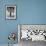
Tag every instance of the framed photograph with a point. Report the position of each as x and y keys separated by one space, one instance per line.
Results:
x=33 y=32
x=10 y=12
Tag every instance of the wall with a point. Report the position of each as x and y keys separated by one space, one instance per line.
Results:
x=28 y=12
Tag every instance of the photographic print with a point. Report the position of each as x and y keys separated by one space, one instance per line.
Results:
x=33 y=32
x=10 y=11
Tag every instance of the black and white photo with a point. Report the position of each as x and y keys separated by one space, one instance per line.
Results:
x=10 y=11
